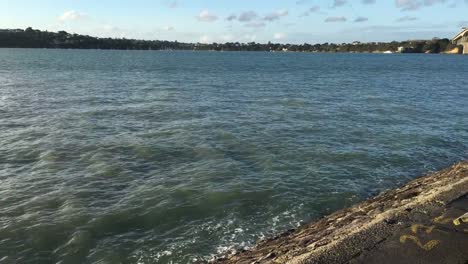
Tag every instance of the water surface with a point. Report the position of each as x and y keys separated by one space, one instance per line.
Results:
x=168 y=157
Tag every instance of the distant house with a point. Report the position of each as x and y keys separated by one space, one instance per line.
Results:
x=462 y=39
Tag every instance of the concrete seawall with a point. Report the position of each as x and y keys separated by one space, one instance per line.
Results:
x=416 y=223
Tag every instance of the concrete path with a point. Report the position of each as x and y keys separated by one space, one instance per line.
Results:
x=433 y=239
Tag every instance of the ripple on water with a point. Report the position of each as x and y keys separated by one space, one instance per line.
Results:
x=154 y=157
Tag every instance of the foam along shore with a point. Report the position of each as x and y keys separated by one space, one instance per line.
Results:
x=421 y=222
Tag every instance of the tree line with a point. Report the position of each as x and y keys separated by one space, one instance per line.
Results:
x=33 y=38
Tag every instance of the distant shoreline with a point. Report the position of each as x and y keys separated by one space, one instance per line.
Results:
x=221 y=51
x=31 y=38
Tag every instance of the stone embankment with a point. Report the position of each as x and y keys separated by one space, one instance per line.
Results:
x=421 y=222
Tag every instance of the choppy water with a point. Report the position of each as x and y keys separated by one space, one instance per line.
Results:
x=167 y=157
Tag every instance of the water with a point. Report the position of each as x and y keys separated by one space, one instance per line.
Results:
x=168 y=157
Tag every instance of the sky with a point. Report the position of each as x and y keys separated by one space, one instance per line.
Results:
x=207 y=21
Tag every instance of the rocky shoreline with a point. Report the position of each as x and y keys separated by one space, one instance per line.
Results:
x=376 y=228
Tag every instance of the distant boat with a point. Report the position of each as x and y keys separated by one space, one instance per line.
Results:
x=388 y=52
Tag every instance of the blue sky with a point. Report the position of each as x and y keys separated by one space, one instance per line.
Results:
x=293 y=21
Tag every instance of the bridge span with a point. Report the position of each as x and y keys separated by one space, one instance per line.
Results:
x=462 y=39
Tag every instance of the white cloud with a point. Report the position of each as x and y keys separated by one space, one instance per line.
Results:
x=227 y=37
x=249 y=37
x=108 y=30
x=205 y=39
x=206 y=16
x=279 y=36
x=168 y=28
x=71 y=15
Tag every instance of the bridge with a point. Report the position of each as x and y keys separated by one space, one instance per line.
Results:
x=462 y=39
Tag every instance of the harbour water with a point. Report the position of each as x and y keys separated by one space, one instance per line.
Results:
x=172 y=157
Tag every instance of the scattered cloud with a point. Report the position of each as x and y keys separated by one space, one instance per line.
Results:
x=411 y=5
x=397 y=31
x=71 y=15
x=247 y=16
x=431 y=2
x=231 y=17
x=206 y=16
x=314 y=9
x=406 y=5
x=338 y=3
x=255 y=24
x=360 y=19
x=276 y=15
x=406 y=18
x=253 y=19
x=236 y=24
x=335 y=19
x=172 y=4
x=289 y=24
x=463 y=23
